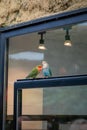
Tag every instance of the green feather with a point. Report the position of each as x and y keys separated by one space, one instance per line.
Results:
x=33 y=73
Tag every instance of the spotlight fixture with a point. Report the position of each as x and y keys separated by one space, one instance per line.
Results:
x=41 y=41
x=67 y=38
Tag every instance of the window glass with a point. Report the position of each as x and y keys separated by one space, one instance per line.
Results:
x=24 y=55
x=53 y=107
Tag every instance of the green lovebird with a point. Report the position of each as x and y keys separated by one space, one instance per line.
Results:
x=34 y=72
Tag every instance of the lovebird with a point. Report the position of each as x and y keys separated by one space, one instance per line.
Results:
x=34 y=72
x=46 y=69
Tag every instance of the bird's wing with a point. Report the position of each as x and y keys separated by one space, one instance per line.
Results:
x=33 y=73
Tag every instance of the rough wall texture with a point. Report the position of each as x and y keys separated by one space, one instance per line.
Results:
x=17 y=11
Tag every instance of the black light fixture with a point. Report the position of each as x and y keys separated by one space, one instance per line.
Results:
x=41 y=41
x=67 y=38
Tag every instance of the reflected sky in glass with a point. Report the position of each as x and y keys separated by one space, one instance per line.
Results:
x=27 y=56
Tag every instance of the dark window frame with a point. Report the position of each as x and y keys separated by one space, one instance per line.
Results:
x=19 y=85
x=40 y=24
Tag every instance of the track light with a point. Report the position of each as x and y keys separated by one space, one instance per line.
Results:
x=41 y=41
x=67 y=39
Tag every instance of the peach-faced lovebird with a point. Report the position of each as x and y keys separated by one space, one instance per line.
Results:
x=46 y=69
x=34 y=72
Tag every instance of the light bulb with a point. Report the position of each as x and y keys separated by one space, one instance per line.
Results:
x=67 y=43
x=42 y=47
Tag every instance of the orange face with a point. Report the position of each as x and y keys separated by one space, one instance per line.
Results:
x=39 y=67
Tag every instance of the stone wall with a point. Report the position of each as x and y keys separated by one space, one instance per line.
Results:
x=17 y=11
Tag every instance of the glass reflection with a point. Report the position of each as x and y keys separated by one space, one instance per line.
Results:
x=25 y=55
x=60 y=107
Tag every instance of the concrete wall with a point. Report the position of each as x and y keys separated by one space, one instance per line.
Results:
x=17 y=11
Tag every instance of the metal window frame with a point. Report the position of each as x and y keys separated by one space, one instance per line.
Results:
x=40 y=24
x=71 y=81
